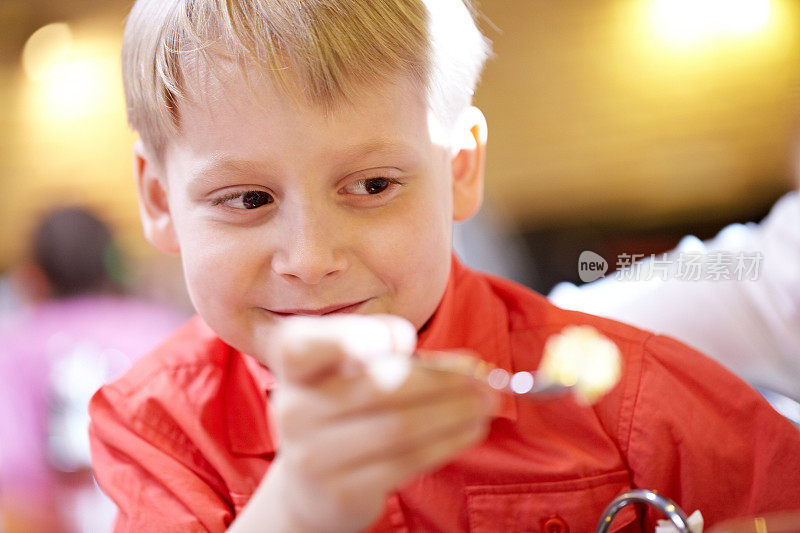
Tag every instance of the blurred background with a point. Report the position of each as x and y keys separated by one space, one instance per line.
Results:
x=65 y=140
x=614 y=125
x=625 y=124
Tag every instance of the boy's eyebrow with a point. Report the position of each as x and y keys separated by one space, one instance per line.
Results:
x=394 y=147
x=222 y=164
x=217 y=164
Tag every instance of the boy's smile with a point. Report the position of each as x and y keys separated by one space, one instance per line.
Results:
x=331 y=309
x=277 y=209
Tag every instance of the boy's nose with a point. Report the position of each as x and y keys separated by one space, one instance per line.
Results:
x=308 y=253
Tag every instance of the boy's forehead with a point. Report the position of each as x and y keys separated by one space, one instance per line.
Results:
x=212 y=79
x=224 y=98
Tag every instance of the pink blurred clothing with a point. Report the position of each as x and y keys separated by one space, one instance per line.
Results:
x=52 y=358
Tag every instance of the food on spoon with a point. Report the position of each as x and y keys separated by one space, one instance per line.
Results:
x=582 y=358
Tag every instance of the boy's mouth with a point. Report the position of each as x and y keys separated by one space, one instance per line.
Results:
x=329 y=310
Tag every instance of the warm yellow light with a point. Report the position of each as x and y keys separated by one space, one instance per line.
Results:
x=692 y=21
x=71 y=78
x=46 y=51
x=75 y=90
x=746 y=16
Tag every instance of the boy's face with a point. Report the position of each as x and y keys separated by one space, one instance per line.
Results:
x=277 y=209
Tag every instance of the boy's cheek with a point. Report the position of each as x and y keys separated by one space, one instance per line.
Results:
x=210 y=278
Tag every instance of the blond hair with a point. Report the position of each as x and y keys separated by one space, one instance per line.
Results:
x=321 y=51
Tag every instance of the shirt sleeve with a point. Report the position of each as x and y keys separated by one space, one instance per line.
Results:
x=704 y=438
x=150 y=467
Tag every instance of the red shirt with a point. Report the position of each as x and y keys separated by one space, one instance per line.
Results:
x=182 y=440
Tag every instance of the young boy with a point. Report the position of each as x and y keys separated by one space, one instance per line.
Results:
x=308 y=158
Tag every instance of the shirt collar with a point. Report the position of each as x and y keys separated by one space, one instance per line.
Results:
x=249 y=386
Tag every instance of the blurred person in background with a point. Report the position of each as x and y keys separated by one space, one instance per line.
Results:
x=749 y=323
x=77 y=330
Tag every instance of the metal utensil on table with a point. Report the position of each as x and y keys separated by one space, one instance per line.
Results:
x=663 y=504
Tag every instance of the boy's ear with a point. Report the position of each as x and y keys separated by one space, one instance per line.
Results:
x=153 y=205
x=468 y=163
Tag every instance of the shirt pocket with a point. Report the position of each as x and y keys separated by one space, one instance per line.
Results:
x=549 y=507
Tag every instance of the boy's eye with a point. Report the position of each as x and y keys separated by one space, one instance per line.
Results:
x=253 y=199
x=246 y=200
x=370 y=186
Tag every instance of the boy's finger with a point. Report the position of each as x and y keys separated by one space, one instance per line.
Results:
x=383 y=434
x=309 y=348
x=301 y=411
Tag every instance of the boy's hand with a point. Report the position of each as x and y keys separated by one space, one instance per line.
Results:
x=345 y=441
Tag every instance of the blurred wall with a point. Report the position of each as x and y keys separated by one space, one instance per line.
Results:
x=639 y=111
x=65 y=138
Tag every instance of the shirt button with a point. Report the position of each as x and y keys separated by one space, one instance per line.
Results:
x=555 y=524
